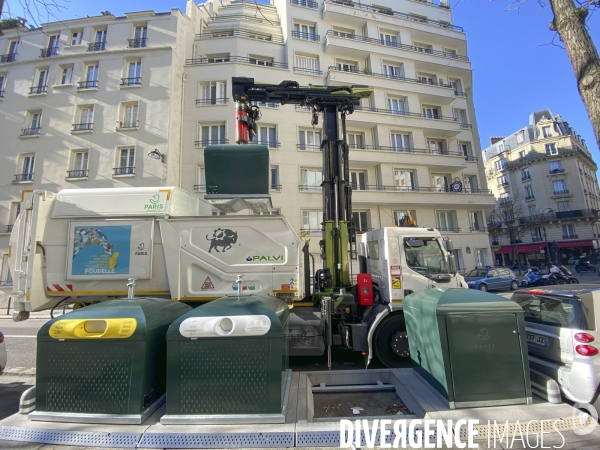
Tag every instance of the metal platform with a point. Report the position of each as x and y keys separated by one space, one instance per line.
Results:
x=300 y=428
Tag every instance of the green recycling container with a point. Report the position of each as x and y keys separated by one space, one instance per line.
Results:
x=105 y=363
x=470 y=347
x=227 y=362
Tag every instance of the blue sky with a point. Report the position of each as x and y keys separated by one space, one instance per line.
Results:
x=516 y=70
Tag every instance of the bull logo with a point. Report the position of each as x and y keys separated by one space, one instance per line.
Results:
x=224 y=238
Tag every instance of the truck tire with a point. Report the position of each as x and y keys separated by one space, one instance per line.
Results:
x=391 y=343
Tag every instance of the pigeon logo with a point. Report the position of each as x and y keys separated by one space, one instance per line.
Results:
x=249 y=258
x=483 y=334
x=154 y=204
x=155 y=199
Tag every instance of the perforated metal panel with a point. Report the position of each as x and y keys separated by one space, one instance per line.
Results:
x=89 y=377
x=217 y=440
x=84 y=438
x=225 y=376
x=332 y=438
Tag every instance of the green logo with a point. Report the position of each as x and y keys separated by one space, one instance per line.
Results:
x=155 y=199
x=272 y=258
x=154 y=204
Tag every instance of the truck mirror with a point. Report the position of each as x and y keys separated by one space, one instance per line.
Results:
x=449 y=245
x=452 y=265
x=414 y=243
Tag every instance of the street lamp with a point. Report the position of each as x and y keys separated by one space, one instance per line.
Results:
x=548 y=259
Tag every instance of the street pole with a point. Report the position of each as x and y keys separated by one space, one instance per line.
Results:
x=548 y=256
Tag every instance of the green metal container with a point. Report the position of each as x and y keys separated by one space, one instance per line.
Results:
x=104 y=363
x=227 y=362
x=469 y=346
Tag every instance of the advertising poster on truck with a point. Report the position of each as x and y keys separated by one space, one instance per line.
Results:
x=110 y=250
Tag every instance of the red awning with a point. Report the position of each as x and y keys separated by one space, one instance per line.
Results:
x=571 y=244
x=522 y=248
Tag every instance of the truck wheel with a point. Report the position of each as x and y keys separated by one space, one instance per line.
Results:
x=391 y=342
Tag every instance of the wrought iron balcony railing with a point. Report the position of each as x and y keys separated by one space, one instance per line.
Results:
x=20 y=177
x=570 y=236
x=125 y=170
x=308 y=71
x=90 y=84
x=135 y=81
x=561 y=192
x=133 y=124
x=30 y=131
x=212 y=101
x=79 y=173
x=83 y=127
x=238 y=32
x=377 y=187
x=38 y=89
x=306 y=36
x=48 y=52
x=96 y=46
x=305 y=3
x=205 y=142
x=449 y=230
x=10 y=57
x=478 y=228
x=553 y=171
x=199 y=187
x=237 y=59
x=137 y=43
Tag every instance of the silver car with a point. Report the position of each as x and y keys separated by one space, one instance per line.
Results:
x=563 y=337
x=2 y=353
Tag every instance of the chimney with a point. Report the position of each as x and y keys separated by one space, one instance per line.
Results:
x=494 y=139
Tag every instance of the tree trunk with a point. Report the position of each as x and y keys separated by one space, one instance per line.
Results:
x=569 y=21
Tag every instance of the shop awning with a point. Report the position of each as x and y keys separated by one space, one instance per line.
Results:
x=571 y=244
x=522 y=248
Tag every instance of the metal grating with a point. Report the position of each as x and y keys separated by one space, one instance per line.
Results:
x=217 y=440
x=89 y=377
x=83 y=438
x=332 y=438
x=225 y=376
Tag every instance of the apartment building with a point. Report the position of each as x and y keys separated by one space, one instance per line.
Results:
x=83 y=102
x=545 y=176
x=413 y=145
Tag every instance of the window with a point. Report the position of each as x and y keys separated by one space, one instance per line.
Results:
x=99 y=41
x=129 y=115
x=275 y=186
x=40 y=84
x=528 y=193
x=569 y=231
x=466 y=150
x=393 y=70
x=481 y=257
x=457 y=86
x=52 y=48
x=76 y=37
x=502 y=181
x=2 y=83
x=12 y=52
x=213 y=93
x=546 y=132
x=201 y=173
x=501 y=147
x=435 y=146
x=520 y=137
x=307 y=64
x=65 y=74
x=343 y=32
x=347 y=66
x=26 y=165
x=555 y=167
x=424 y=48
x=260 y=60
x=222 y=57
x=267 y=135
x=212 y=134
x=133 y=74
x=427 y=78
x=536 y=235
x=85 y=116
x=311 y=221
x=446 y=221
x=522 y=154
x=33 y=122
x=397 y=105
x=431 y=112
x=476 y=221
x=551 y=149
x=6 y=279
x=460 y=265
x=556 y=312
x=471 y=184
x=311 y=179
x=563 y=206
x=79 y=164
x=405 y=179
x=401 y=218
x=559 y=187
x=140 y=34
x=361 y=220
x=387 y=38
x=305 y=31
x=525 y=174
x=358 y=178
x=91 y=77
x=532 y=210
x=460 y=115
x=355 y=140
x=309 y=139
x=500 y=164
x=440 y=182
x=125 y=162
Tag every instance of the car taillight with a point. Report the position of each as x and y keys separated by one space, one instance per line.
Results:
x=586 y=350
x=1 y=338
x=584 y=337
x=535 y=292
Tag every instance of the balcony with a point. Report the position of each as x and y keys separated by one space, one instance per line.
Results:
x=305 y=3
x=82 y=127
x=10 y=57
x=309 y=188
x=136 y=43
x=48 y=52
x=306 y=36
x=380 y=188
x=125 y=170
x=332 y=36
x=80 y=173
x=471 y=158
x=449 y=230
x=555 y=171
x=562 y=151
x=570 y=236
x=205 y=142
x=269 y=144
x=96 y=46
x=90 y=84
x=302 y=70
x=562 y=192
x=526 y=177
x=276 y=187
x=309 y=147
x=34 y=90
x=128 y=125
x=478 y=229
x=311 y=230
x=328 y=9
x=238 y=32
x=35 y=131
x=236 y=59
x=212 y=101
x=135 y=81
x=529 y=197
x=23 y=177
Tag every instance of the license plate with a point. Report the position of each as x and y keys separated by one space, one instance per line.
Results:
x=538 y=340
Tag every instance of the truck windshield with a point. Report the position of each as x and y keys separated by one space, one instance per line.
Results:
x=427 y=259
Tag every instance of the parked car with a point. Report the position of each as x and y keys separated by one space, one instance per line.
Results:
x=562 y=341
x=492 y=279
x=2 y=353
